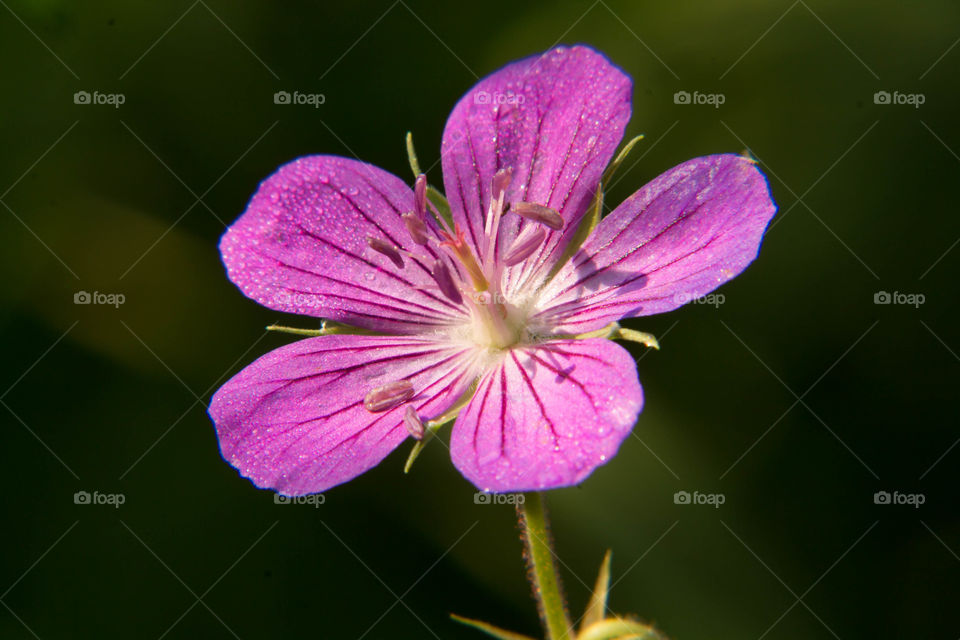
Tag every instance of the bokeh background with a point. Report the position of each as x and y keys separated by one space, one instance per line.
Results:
x=797 y=399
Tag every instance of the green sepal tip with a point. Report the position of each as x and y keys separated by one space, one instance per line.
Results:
x=619 y=629
x=592 y=217
x=327 y=328
x=597 y=606
x=412 y=156
x=489 y=629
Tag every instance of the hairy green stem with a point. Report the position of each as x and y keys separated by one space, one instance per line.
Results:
x=547 y=590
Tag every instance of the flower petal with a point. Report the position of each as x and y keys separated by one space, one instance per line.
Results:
x=294 y=420
x=555 y=119
x=675 y=240
x=547 y=416
x=301 y=247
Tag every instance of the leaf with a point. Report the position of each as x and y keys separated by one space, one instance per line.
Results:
x=598 y=599
x=613 y=166
x=489 y=629
x=439 y=201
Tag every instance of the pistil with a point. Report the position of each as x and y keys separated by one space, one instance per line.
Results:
x=493 y=319
x=458 y=247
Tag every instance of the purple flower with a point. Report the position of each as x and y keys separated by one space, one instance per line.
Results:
x=486 y=313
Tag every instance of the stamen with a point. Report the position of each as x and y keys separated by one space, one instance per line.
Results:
x=413 y=422
x=420 y=196
x=441 y=273
x=387 y=249
x=498 y=192
x=388 y=396
x=500 y=182
x=538 y=213
x=525 y=244
x=416 y=227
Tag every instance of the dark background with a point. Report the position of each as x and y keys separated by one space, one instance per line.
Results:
x=797 y=399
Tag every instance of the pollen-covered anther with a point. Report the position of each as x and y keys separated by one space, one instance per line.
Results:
x=416 y=227
x=524 y=245
x=413 y=423
x=388 y=396
x=538 y=213
x=382 y=246
x=420 y=196
x=444 y=279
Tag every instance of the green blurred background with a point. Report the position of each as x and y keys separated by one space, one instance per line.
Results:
x=797 y=399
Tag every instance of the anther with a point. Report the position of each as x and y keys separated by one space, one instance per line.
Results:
x=538 y=213
x=413 y=422
x=388 y=396
x=524 y=245
x=441 y=273
x=420 y=196
x=416 y=227
x=500 y=182
x=387 y=249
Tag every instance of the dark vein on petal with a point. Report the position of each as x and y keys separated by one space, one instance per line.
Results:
x=392 y=275
x=480 y=411
x=536 y=396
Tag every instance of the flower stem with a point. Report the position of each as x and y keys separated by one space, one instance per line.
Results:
x=547 y=590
